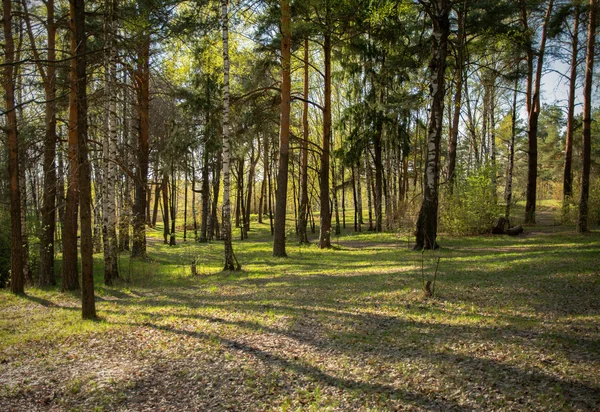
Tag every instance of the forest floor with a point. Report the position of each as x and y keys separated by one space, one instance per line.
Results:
x=514 y=325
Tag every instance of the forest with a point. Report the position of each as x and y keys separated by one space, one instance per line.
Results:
x=299 y=205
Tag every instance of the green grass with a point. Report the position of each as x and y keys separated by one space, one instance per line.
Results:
x=514 y=326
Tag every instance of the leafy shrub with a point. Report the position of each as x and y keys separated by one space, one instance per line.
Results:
x=473 y=206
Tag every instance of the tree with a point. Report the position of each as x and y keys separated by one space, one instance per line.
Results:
x=582 y=219
x=70 y=275
x=568 y=167
x=88 y=305
x=284 y=132
x=533 y=106
x=48 y=74
x=111 y=270
x=438 y=11
x=16 y=250
x=226 y=155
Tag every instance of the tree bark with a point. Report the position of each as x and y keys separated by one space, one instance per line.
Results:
x=88 y=305
x=111 y=270
x=172 y=240
x=325 y=232
x=205 y=197
x=303 y=220
x=568 y=172
x=226 y=229
x=142 y=84
x=427 y=222
x=70 y=275
x=582 y=220
x=165 y=201
x=534 y=113
x=511 y=155
x=458 y=79
x=284 y=133
x=16 y=251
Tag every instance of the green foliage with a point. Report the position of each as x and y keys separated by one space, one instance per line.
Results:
x=473 y=207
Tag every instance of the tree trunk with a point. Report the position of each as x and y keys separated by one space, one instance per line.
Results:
x=284 y=133
x=534 y=113
x=511 y=155
x=172 y=241
x=88 y=305
x=48 y=229
x=303 y=220
x=111 y=270
x=165 y=202
x=458 y=78
x=251 y=173
x=142 y=84
x=205 y=197
x=226 y=229
x=70 y=275
x=582 y=219
x=213 y=230
x=568 y=172
x=378 y=194
x=325 y=233
x=16 y=251
x=427 y=221
x=185 y=201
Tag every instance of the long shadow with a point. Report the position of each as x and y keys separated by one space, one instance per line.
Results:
x=316 y=374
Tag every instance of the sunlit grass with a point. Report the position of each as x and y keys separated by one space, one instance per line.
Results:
x=514 y=322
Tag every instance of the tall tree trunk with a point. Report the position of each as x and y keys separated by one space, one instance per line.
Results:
x=534 y=113
x=251 y=173
x=16 y=250
x=185 y=201
x=284 y=133
x=427 y=221
x=125 y=206
x=205 y=197
x=142 y=84
x=70 y=275
x=325 y=233
x=60 y=195
x=48 y=74
x=378 y=194
x=88 y=305
x=582 y=219
x=568 y=172
x=226 y=230
x=172 y=241
x=511 y=154
x=359 y=199
x=111 y=270
x=303 y=220
x=458 y=79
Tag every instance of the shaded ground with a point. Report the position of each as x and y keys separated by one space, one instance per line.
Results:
x=515 y=326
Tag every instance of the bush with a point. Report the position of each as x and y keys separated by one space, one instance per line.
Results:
x=473 y=207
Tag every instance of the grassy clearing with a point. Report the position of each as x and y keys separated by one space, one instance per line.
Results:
x=515 y=325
